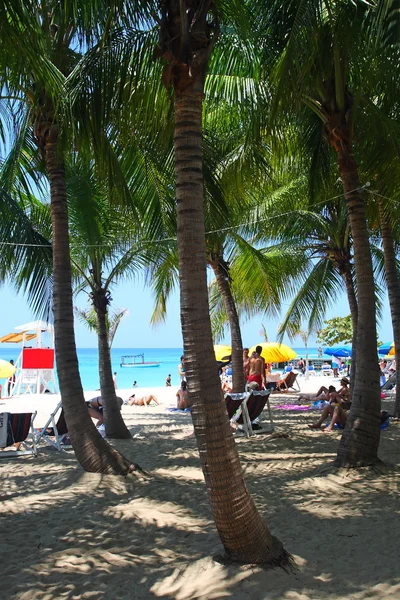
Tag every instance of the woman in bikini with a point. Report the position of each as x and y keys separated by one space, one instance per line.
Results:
x=143 y=401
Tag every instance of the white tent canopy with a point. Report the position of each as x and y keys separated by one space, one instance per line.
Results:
x=35 y=326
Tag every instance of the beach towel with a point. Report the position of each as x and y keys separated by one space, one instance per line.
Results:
x=181 y=410
x=294 y=407
x=3 y=429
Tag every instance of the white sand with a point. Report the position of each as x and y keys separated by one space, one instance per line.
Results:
x=69 y=534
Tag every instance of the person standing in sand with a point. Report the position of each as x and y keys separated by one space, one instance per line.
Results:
x=246 y=363
x=181 y=369
x=168 y=381
x=256 y=368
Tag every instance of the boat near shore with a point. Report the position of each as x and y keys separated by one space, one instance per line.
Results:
x=136 y=360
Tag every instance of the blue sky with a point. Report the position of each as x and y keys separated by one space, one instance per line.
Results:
x=135 y=330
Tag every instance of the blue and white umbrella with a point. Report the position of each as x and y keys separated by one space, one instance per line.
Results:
x=340 y=352
x=387 y=349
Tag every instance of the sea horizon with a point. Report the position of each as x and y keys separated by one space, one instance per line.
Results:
x=169 y=359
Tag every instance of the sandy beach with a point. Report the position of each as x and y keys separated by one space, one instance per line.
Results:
x=69 y=534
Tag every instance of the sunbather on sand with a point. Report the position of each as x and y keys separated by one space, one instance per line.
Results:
x=322 y=394
x=143 y=401
x=339 y=404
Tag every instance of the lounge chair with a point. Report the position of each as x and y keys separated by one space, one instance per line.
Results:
x=18 y=427
x=288 y=382
x=233 y=403
x=390 y=383
x=54 y=432
x=252 y=408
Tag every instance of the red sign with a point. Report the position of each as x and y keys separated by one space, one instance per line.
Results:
x=38 y=358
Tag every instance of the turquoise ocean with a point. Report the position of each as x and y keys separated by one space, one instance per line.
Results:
x=145 y=377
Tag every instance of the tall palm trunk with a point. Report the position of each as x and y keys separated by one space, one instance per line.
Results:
x=393 y=286
x=222 y=277
x=360 y=440
x=242 y=531
x=353 y=305
x=93 y=453
x=113 y=421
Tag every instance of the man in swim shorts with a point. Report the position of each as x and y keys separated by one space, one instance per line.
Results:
x=256 y=368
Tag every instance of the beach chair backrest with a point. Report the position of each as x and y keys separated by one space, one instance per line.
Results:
x=390 y=383
x=233 y=402
x=62 y=424
x=290 y=379
x=20 y=425
x=255 y=404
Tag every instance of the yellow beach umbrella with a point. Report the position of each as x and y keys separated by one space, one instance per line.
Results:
x=222 y=352
x=275 y=352
x=6 y=369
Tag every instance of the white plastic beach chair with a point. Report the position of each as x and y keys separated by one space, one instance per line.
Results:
x=55 y=432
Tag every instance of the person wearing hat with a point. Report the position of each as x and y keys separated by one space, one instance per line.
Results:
x=342 y=396
x=339 y=404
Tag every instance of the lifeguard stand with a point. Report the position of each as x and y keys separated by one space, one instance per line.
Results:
x=35 y=365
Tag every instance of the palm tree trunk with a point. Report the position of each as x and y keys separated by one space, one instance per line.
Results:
x=359 y=443
x=93 y=453
x=224 y=287
x=393 y=286
x=353 y=305
x=243 y=533
x=113 y=421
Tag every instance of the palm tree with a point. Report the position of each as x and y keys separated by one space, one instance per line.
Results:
x=105 y=249
x=393 y=284
x=113 y=320
x=188 y=33
x=329 y=72
x=37 y=57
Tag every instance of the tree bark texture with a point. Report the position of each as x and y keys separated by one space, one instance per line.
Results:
x=353 y=305
x=393 y=286
x=113 y=421
x=92 y=452
x=360 y=440
x=243 y=533
x=224 y=287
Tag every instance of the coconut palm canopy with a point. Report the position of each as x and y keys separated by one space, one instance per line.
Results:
x=274 y=351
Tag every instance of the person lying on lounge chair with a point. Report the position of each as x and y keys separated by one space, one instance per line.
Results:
x=143 y=401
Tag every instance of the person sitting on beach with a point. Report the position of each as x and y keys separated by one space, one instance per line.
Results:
x=343 y=395
x=338 y=409
x=226 y=388
x=182 y=396
x=257 y=368
x=143 y=401
x=95 y=408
